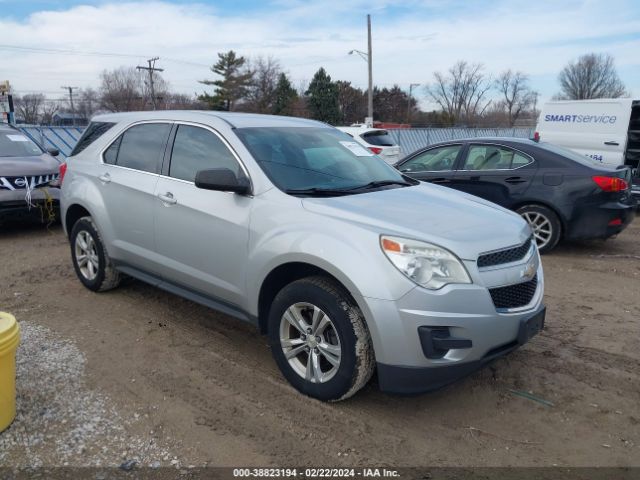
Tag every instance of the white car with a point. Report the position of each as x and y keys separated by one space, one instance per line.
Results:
x=376 y=140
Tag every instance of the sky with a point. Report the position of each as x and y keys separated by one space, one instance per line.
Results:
x=47 y=44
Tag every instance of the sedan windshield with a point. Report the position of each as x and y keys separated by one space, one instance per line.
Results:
x=15 y=144
x=317 y=160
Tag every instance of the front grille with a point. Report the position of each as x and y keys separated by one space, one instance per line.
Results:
x=30 y=181
x=504 y=256
x=514 y=296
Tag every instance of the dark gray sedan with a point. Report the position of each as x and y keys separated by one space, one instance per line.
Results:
x=26 y=173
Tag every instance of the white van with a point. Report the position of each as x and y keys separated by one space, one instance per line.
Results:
x=607 y=130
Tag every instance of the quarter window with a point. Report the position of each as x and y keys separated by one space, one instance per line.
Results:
x=494 y=157
x=434 y=160
x=140 y=147
x=196 y=149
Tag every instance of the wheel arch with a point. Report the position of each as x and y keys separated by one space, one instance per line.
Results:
x=524 y=203
x=74 y=213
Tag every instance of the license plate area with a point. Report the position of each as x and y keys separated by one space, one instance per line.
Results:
x=530 y=327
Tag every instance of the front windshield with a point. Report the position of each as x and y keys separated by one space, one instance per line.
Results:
x=303 y=158
x=15 y=144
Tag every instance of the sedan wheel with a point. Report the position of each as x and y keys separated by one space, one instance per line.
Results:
x=544 y=224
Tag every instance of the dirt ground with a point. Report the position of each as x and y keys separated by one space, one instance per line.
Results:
x=168 y=382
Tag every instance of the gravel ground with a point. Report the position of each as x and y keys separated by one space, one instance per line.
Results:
x=60 y=419
x=139 y=374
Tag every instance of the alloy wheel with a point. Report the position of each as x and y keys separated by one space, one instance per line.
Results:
x=310 y=342
x=541 y=226
x=86 y=255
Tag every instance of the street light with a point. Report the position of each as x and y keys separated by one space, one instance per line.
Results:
x=409 y=102
x=367 y=57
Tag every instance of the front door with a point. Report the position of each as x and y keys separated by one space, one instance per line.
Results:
x=201 y=235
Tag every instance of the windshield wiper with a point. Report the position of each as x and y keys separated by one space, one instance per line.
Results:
x=381 y=183
x=325 y=192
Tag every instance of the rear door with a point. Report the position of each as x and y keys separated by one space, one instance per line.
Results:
x=434 y=165
x=127 y=179
x=201 y=235
x=496 y=173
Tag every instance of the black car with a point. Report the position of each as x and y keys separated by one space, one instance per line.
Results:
x=562 y=194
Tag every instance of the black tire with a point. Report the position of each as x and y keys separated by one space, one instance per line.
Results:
x=357 y=362
x=530 y=212
x=106 y=276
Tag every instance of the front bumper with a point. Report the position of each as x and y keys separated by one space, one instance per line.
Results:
x=413 y=380
x=13 y=203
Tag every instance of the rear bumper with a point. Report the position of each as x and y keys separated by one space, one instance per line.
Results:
x=602 y=221
x=406 y=380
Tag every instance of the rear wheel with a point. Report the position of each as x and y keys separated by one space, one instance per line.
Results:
x=90 y=260
x=319 y=339
x=545 y=225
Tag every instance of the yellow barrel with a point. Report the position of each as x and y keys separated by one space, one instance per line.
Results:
x=9 y=339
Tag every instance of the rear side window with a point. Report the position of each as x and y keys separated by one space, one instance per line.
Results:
x=140 y=147
x=378 y=137
x=434 y=160
x=93 y=132
x=196 y=149
x=494 y=157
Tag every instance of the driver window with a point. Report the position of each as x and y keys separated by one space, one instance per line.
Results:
x=434 y=160
x=195 y=149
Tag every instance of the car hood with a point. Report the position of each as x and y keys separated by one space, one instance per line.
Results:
x=27 y=166
x=462 y=223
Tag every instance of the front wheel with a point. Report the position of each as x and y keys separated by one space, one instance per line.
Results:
x=545 y=225
x=319 y=339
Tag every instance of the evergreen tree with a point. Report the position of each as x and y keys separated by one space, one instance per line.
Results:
x=233 y=84
x=323 y=98
x=285 y=96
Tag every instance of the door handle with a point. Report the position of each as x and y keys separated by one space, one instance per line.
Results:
x=167 y=198
x=615 y=144
x=440 y=180
x=515 y=180
x=105 y=178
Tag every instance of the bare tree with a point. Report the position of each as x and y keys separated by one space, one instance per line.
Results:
x=260 y=94
x=462 y=92
x=49 y=109
x=28 y=107
x=592 y=76
x=121 y=90
x=516 y=94
x=87 y=103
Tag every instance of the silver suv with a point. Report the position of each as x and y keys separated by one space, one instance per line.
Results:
x=346 y=264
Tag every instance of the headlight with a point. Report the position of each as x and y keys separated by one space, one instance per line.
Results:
x=427 y=265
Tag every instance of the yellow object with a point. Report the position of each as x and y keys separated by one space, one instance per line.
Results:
x=9 y=340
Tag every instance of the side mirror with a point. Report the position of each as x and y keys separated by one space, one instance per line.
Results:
x=53 y=151
x=223 y=180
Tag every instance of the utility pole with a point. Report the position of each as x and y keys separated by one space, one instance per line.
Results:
x=73 y=110
x=370 y=62
x=411 y=85
x=150 y=69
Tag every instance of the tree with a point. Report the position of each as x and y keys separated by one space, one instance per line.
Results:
x=121 y=90
x=352 y=103
x=284 y=97
x=232 y=86
x=322 y=98
x=517 y=96
x=461 y=93
x=390 y=104
x=591 y=76
x=28 y=107
x=87 y=102
x=260 y=94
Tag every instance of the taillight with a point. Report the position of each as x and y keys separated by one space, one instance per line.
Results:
x=62 y=171
x=376 y=150
x=536 y=136
x=611 y=184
